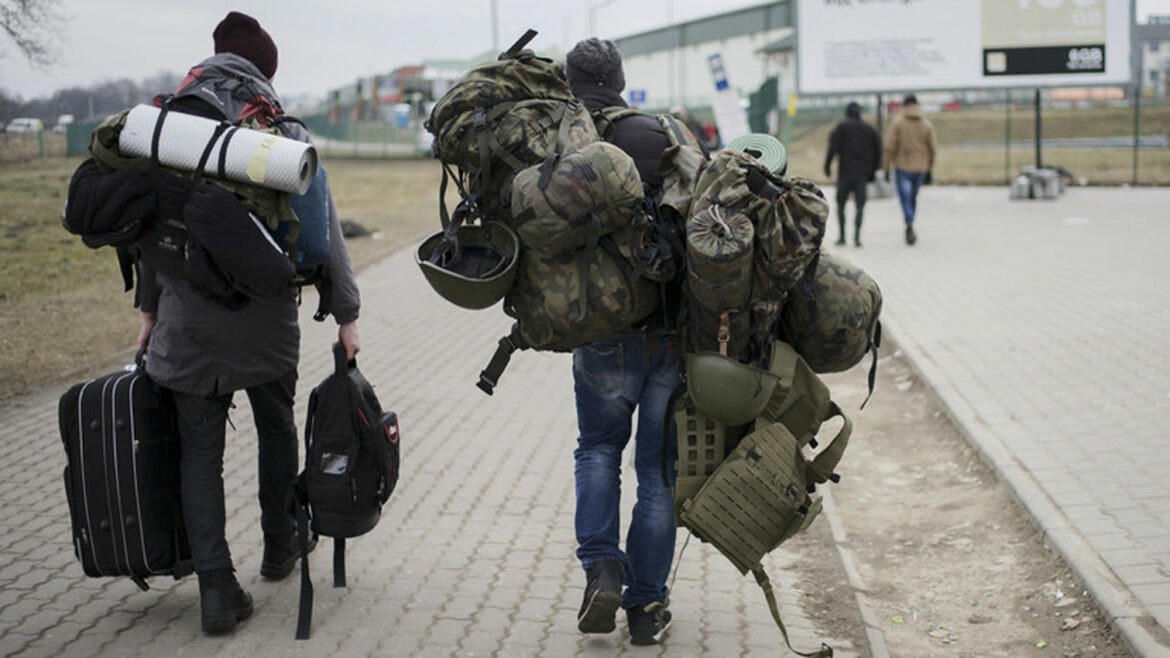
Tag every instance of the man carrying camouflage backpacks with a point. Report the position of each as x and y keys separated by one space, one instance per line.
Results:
x=637 y=369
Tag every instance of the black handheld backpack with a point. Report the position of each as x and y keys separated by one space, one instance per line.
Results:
x=351 y=467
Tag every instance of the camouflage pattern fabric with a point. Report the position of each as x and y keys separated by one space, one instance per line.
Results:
x=788 y=216
x=504 y=116
x=720 y=243
x=569 y=200
x=565 y=300
x=833 y=323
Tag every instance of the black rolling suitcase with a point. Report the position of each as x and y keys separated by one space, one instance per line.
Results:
x=122 y=477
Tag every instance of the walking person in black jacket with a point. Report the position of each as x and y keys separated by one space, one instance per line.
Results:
x=858 y=148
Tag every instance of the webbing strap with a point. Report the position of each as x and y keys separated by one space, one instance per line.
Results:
x=873 y=348
x=515 y=48
x=583 y=270
x=490 y=376
x=666 y=438
x=305 y=612
x=126 y=267
x=224 y=149
x=825 y=651
x=339 y=561
x=821 y=467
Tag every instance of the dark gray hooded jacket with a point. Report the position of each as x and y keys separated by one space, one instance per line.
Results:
x=201 y=348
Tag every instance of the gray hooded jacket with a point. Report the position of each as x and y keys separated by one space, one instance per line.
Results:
x=201 y=348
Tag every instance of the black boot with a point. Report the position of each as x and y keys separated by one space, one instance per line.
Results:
x=222 y=602
x=841 y=226
x=856 y=231
x=281 y=555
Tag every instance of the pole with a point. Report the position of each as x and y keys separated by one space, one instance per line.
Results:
x=1039 y=161
x=790 y=120
x=1137 y=115
x=1007 y=141
x=879 y=114
x=495 y=28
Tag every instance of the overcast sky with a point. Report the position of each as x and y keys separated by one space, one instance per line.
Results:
x=324 y=45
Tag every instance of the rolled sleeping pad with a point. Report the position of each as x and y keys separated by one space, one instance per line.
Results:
x=238 y=154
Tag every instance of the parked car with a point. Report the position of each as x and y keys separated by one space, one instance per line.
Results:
x=25 y=125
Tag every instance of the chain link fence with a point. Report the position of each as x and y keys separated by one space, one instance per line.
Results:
x=982 y=141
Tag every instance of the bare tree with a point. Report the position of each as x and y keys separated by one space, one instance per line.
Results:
x=35 y=26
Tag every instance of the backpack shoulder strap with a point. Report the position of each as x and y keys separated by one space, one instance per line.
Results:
x=762 y=580
x=605 y=117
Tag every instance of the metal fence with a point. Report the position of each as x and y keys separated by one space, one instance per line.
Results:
x=982 y=141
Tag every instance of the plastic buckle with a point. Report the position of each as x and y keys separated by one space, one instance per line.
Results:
x=485 y=383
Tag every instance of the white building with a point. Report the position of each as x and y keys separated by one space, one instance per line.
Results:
x=669 y=66
x=1154 y=42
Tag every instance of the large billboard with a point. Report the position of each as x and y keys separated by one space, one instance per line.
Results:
x=850 y=46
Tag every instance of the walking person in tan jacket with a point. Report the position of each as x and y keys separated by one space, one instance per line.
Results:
x=910 y=149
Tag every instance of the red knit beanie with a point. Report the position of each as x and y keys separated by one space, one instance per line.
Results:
x=241 y=34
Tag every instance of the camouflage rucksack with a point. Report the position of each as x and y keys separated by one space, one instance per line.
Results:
x=526 y=153
x=503 y=116
x=787 y=216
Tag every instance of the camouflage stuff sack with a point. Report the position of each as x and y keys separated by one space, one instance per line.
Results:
x=504 y=116
x=788 y=218
x=571 y=200
x=568 y=299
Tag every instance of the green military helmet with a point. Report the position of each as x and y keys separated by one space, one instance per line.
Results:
x=833 y=323
x=727 y=390
x=474 y=270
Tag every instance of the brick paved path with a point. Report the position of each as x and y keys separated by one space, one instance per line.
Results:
x=1042 y=326
x=473 y=557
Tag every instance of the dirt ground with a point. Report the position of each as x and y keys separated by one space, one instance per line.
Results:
x=948 y=563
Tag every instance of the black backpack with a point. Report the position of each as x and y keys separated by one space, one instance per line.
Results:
x=351 y=467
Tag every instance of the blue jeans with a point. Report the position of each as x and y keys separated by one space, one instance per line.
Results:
x=612 y=378
x=908 y=184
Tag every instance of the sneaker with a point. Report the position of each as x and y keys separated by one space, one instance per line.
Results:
x=222 y=602
x=911 y=238
x=648 y=623
x=281 y=555
x=603 y=596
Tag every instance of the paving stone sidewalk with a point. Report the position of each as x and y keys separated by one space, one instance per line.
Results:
x=1042 y=326
x=474 y=554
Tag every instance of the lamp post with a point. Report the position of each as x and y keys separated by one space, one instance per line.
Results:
x=593 y=15
x=495 y=28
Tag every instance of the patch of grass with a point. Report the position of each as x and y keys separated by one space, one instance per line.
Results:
x=971 y=150
x=61 y=303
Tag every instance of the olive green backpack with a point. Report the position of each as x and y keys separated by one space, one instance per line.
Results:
x=746 y=496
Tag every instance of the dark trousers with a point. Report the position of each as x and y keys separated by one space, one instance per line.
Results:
x=201 y=430
x=854 y=185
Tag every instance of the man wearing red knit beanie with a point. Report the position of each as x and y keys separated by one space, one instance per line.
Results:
x=204 y=353
x=241 y=34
